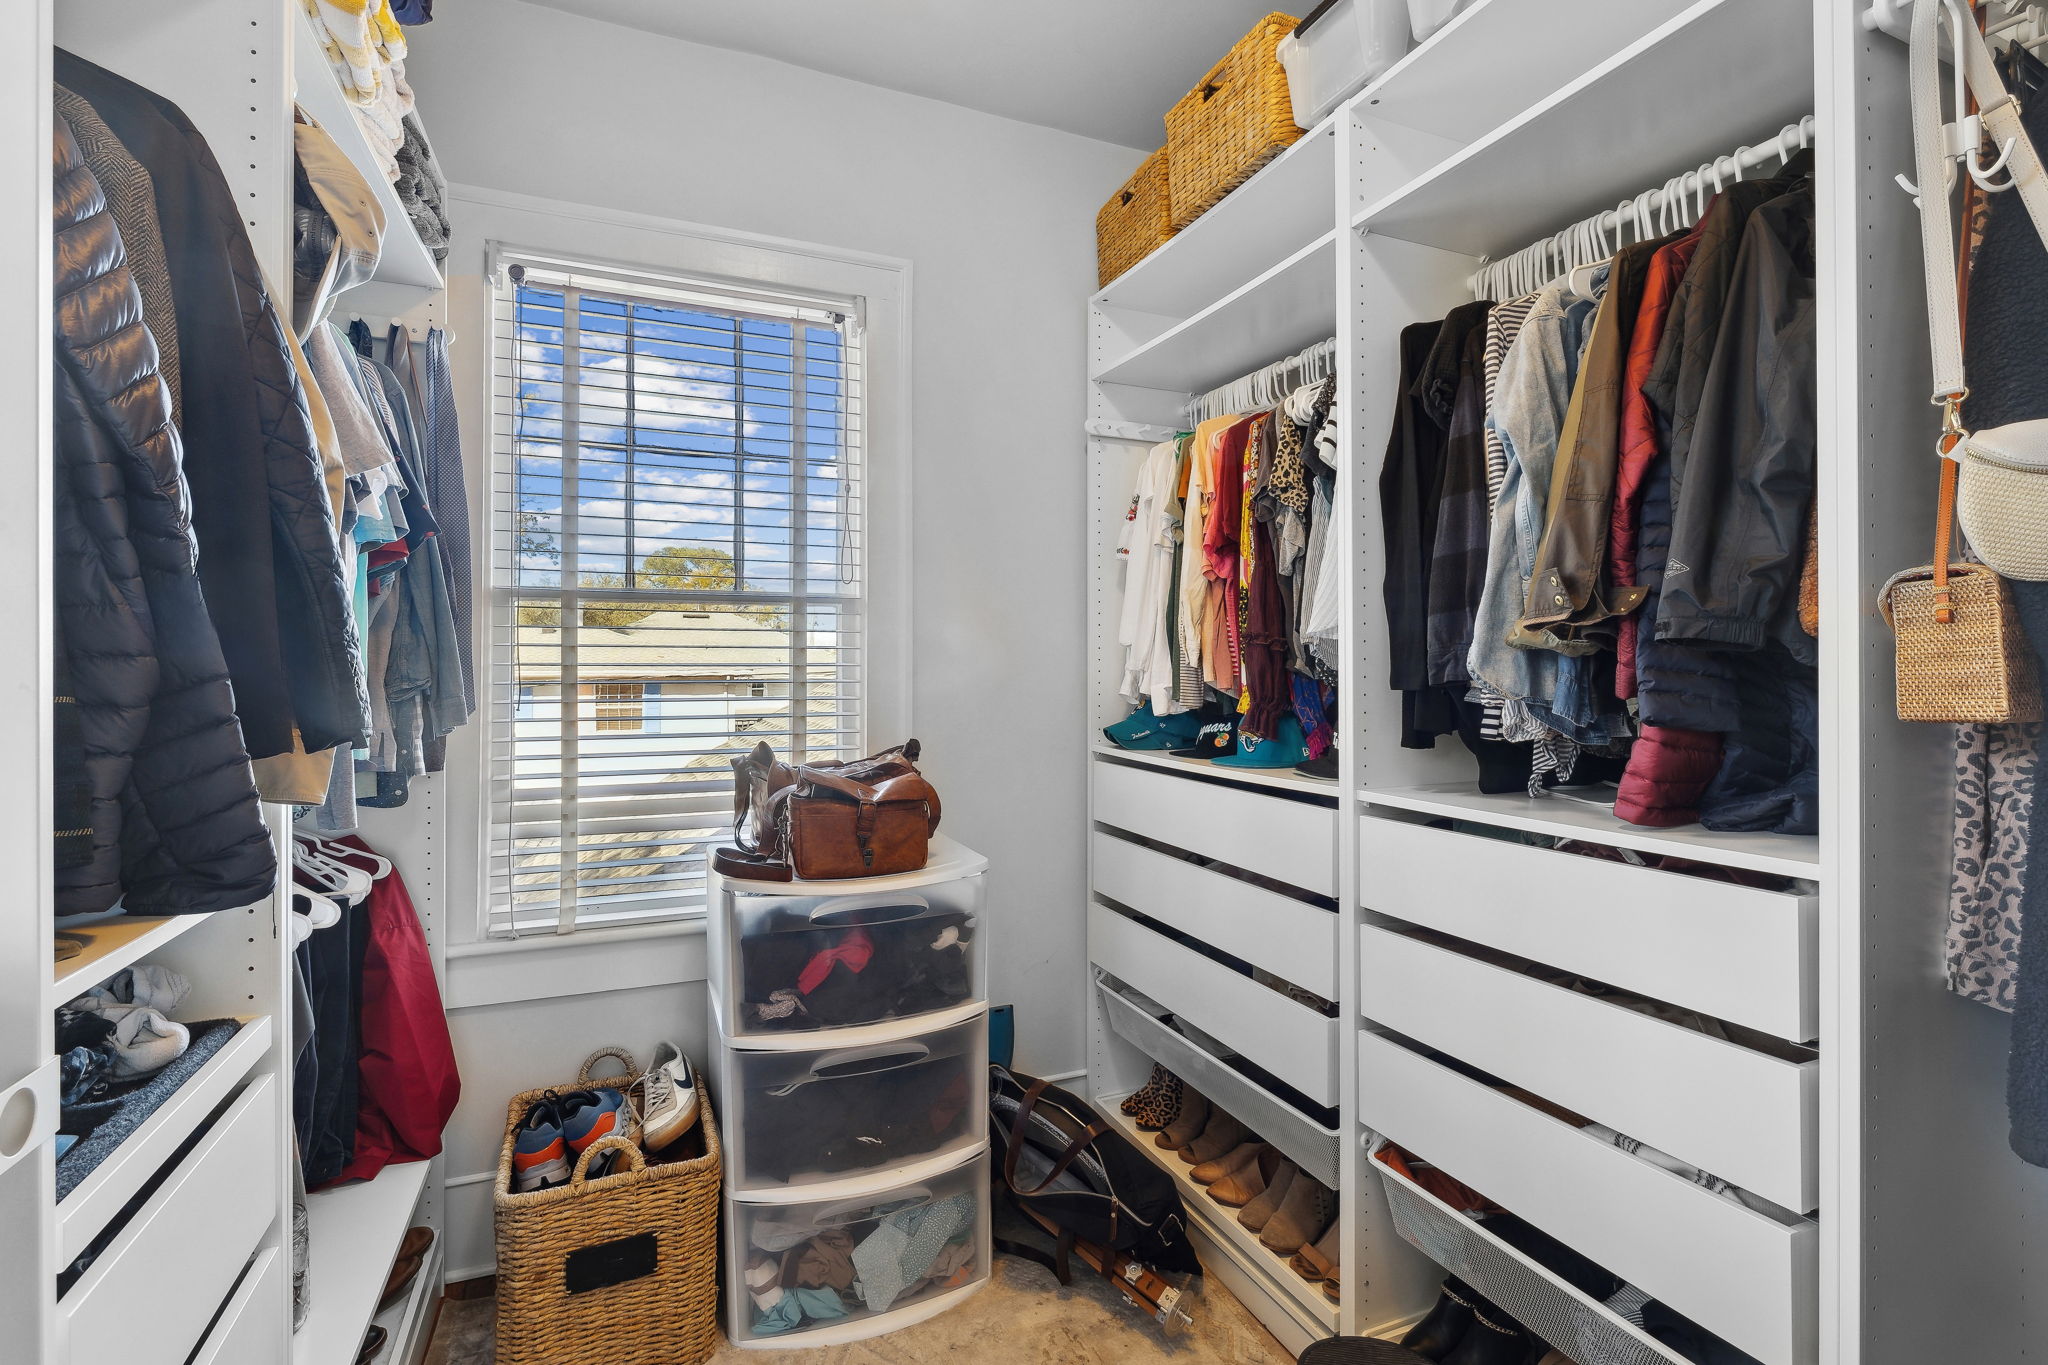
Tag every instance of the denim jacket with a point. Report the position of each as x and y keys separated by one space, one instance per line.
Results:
x=1530 y=399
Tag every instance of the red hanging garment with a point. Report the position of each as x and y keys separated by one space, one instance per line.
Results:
x=407 y=1080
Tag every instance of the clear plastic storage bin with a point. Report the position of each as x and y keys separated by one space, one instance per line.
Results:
x=856 y=1265
x=807 y=1115
x=1346 y=46
x=796 y=964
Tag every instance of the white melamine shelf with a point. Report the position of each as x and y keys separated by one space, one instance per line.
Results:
x=1695 y=88
x=100 y=1197
x=1432 y=88
x=1223 y=1230
x=112 y=944
x=355 y=1234
x=1784 y=855
x=1287 y=204
x=1273 y=779
x=406 y=259
x=1276 y=313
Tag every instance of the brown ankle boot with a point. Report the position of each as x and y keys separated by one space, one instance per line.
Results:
x=1255 y=1214
x=1209 y=1172
x=1187 y=1125
x=1242 y=1183
x=1223 y=1133
x=1307 y=1210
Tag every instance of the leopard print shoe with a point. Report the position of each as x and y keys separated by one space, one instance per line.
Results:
x=1146 y=1093
x=1160 y=1106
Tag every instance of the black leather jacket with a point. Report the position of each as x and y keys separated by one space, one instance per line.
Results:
x=1738 y=530
x=267 y=550
x=158 y=762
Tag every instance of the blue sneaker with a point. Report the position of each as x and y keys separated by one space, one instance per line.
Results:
x=540 y=1155
x=588 y=1115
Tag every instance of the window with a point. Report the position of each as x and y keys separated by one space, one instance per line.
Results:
x=619 y=705
x=677 y=502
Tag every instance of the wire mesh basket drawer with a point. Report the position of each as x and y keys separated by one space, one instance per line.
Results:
x=622 y=1270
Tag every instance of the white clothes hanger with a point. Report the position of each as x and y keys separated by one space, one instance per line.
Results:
x=380 y=866
x=326 y=873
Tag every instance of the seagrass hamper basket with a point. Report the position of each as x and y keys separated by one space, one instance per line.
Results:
x=1236 y=120
x=1137 y=218
x=617 y=1271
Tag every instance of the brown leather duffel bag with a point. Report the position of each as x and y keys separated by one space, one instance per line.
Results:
x=869 y=817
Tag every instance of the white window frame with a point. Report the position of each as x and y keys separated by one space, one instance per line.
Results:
x=494 y=222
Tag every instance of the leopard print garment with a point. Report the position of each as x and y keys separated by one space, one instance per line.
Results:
x=1994 y=767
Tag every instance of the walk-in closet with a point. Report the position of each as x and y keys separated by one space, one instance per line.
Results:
x=863 y=681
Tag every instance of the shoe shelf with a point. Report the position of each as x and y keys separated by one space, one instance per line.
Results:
x=355 y=1231
x=1229 y=1239
x=1266 y=779
x=110 y=945
x=409 y=1323
x=102 y=1196
x=1301 y=1139
x=1559 y=1312
x=1562 y=816
x=1679 y=95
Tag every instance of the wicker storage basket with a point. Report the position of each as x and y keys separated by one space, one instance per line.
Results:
x=617 y=1271
x=1137 y=218
x=1234 y=122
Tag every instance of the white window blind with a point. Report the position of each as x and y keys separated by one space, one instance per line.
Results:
x=676 y=575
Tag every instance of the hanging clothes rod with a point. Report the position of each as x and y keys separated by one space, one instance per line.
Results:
x=1676 y=204
x=1262 y=388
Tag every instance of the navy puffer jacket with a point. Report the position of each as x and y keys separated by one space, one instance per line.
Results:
x=174 y=825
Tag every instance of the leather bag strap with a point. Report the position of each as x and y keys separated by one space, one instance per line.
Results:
x=1060 y=1162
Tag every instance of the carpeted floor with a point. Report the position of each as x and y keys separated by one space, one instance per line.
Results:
x=1023 y=1317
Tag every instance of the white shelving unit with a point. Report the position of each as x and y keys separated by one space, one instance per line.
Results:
x=1516 y=119
x=192 y=1213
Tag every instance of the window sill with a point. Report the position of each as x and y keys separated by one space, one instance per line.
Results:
x=503 y=972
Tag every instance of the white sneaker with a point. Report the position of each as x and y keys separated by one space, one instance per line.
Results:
x=668 y=1098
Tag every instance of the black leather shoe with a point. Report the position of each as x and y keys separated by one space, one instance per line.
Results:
x=1437 y=1335
x=1491 y=1341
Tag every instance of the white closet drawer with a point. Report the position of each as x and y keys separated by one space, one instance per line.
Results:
x=1734 y=952
x=1746 y=1277
x=151 y=1293
x=1294 y=940
x=1294 y=1042
x=252 y=1330
x=1743 y=1115
x=1290 y=841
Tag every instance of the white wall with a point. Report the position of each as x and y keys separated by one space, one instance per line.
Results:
x=997 y=221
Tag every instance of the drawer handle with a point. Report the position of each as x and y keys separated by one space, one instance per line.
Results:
x=28 y=1113
x=861 y=1210
x=837 y=912
x=892 y=1056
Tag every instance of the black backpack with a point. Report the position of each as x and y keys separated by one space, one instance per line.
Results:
x=1060 y=1161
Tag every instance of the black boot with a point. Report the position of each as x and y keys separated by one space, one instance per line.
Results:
x=1494 y=1339
x=1437 y=1335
